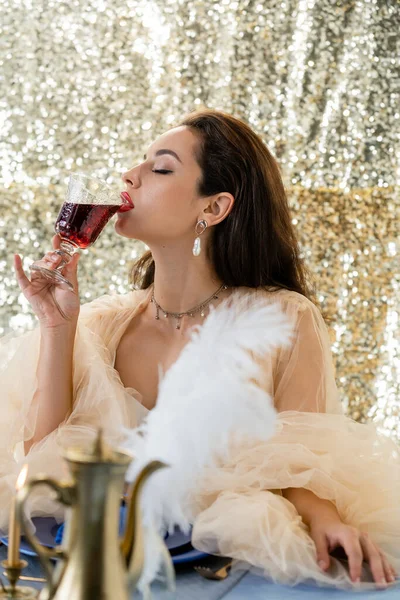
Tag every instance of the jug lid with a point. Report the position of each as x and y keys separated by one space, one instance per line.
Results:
x=99 y=452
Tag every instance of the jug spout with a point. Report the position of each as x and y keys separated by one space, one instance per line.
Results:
x=132 y=546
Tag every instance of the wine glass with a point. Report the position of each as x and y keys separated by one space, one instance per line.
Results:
x=89 y=205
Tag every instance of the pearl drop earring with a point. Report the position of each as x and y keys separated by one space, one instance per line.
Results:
x=201 y=226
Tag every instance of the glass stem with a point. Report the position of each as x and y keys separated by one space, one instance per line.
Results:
x=66 y=251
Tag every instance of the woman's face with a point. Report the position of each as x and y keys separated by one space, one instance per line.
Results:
x=166 y=205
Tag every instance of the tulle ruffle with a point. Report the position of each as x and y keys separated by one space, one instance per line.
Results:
x=241 y=512
x=100 y=399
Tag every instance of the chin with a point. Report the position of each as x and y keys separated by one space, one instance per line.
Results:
x=123 y=227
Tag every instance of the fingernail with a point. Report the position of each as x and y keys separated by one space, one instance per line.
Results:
x=322 y=564
x=357 y=580
x=54 y=258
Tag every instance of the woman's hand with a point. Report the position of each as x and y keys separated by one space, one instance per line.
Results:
x=330 y=533
x=54 y=305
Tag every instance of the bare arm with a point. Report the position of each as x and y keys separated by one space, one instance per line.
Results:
x=309 y=506
x=53 y=395
x=57 y=309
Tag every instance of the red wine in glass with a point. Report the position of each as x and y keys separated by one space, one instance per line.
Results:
x=89 y=205
x=81 y=224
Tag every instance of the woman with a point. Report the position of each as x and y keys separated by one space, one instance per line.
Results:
x=209 y=202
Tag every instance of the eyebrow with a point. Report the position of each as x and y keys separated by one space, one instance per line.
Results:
x=165 y=151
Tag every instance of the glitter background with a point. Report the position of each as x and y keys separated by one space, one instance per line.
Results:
x=89 y=85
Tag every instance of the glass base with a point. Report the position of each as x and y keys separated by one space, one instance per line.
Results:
x=53 y=276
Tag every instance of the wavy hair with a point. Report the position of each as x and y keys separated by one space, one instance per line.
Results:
x=255 y=245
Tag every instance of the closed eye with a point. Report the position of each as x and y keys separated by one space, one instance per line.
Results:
x=162 y=171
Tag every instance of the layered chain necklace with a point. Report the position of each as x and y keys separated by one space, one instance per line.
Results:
x=190 y=313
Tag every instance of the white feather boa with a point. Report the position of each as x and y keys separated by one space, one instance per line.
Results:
x=206 y=396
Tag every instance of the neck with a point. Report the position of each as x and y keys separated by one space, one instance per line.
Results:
x=181 y=280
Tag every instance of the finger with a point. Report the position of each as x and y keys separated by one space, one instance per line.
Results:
x=71 y=267
x=52 y=259
x=46 y=263
x=323 y=558
x=22 y=279
x=352 y=547
x=52 y=255
x=390 y=572
x=56 y=241
x=388 y=569
x=374 y=559
x=70 y=270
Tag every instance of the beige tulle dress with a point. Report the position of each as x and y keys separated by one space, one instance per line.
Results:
x=239 y=506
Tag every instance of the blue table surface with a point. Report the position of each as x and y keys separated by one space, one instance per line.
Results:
x=256 y=588
x=237 y=586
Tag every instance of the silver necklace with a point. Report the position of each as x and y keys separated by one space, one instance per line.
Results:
x=190 y=313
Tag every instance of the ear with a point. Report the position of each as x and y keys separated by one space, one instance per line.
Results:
x=218 y=207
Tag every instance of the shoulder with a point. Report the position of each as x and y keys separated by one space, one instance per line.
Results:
x=289 y=301
x=303 y=314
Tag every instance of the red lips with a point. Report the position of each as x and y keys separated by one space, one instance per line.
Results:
x=127 y=202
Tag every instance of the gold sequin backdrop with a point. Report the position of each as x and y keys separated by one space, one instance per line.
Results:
x=87 y=85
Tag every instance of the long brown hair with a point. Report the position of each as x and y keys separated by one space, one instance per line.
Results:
x=255 y=246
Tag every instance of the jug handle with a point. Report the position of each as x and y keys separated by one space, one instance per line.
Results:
x=65 y=494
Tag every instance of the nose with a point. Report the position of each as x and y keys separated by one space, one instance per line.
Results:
x=130 y=177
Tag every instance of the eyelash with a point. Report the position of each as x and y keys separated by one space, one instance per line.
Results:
x=162 y=171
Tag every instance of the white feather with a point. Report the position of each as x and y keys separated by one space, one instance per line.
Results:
x=208 y=395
